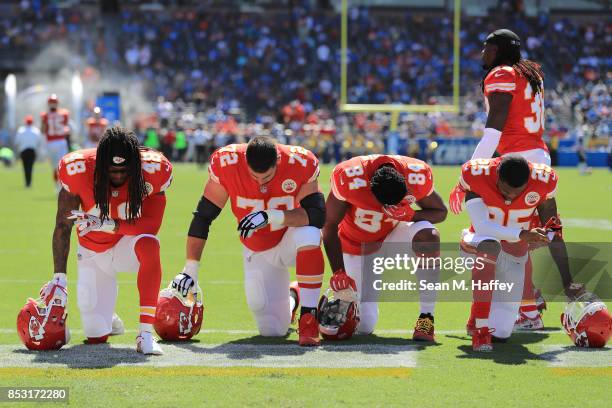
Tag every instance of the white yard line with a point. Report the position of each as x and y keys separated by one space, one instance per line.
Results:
x=588 y=223
x=570 y=356
x=216 y=355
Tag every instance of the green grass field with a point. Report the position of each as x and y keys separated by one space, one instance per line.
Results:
x=538 y=370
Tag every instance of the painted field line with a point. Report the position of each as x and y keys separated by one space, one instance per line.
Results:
x=255 y=332
x=588 y=223
x=563 y=355
x=215 y=355
x=120 y=282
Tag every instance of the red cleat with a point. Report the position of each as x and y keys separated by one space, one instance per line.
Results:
x=424 y=329
x=481 y=339
x=96 y=340
x=293 y=287
x=308 y=330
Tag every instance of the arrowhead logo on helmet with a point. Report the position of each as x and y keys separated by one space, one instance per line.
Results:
x=43 y=326
x=178 y=317
x=587 y=321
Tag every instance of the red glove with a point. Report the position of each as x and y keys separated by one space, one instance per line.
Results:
x=455 y=200
x=554 y=225
x=400 y=212
x=340 y=281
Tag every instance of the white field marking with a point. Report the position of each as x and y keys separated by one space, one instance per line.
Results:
x=588 y=223
x=255 y=332
x=571 y=356
x=215 y=355
x=120 y=282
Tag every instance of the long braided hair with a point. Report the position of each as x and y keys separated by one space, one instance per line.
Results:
x=509 y=53
x=116 y=144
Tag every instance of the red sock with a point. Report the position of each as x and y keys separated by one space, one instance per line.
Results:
x=309 y=268
x=149 y=277
x=528 y=305
x=481 y=305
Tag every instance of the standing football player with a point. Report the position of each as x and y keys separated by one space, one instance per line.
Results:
x=514 y=99
x=120 y=190
x=502 y=197
x=370 y=203
x=95 y=128
x=55 y=126
x=280 y=210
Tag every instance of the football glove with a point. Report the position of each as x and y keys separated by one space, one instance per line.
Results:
x=400 y=211
x=341 y=281
x=48 y=290
x=455 y=200
x=183 y=283
x=86 y=223
x=259 y=219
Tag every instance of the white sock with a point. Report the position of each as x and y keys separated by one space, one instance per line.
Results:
x=310 y=297
x=148 y=327
x=428 y=297
x=482 y=323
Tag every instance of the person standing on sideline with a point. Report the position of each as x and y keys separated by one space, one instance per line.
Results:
x=28 y=141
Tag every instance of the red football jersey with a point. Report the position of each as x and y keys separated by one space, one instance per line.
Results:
x=365 y=221
x=295 y=167
x=76 y=173
x=480 y=177
x=525 y=122
x=55 y=124
x=96 y=128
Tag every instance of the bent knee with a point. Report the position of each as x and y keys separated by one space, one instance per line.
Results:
x=272 y=326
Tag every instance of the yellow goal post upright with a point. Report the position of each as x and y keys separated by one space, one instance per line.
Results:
x=396 y=109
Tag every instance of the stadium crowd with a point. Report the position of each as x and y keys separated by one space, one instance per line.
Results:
x=224 y=75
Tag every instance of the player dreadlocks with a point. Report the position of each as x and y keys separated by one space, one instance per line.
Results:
x=509 y=53
x=118 y=158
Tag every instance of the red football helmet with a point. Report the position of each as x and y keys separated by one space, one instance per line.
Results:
x=587 y=321
x=338 y=314
x=42 y=326
x=178 y=317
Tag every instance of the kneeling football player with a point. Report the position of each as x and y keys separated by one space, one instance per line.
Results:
x=275 y=197
x=370 y=204
x=120 y=190
x=502 y=196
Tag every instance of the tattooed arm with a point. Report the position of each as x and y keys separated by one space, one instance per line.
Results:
x=63 y=226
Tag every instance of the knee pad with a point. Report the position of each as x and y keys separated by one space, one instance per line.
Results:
x=368 y=317
x=307 y=236
x=255 y=295
x=87 y=298
x=271 y=326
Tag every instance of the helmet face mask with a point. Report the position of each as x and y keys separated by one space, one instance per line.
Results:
x=587 y=321
x=338 y=315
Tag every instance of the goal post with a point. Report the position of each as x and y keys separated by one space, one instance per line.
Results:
x=395 y=109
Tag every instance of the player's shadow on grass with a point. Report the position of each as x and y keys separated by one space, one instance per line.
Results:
x=258 y=347
x=511 y=352
x=86 y=356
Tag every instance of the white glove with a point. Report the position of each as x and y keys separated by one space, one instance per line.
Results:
x=259 y=219
x=86 y=223
x=187 y=280
x=57 y=285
